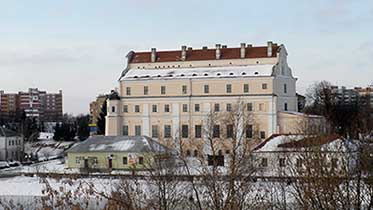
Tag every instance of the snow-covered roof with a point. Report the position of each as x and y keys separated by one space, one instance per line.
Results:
x=332 y=143
x=137 y=144
x=200 y=72
x=300 y=114
x=4 y=132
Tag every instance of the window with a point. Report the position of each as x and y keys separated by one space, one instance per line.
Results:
x=185 y=107
x=264 y=86
x=154 y=108
x=282 y=162
x=264 y=162
x=154 y=131
x=246 y=88
x=184 y=89
x=137 y=108
x=188 y=153
x=206 y=88
x=261 y=107
x=125 y=130
x=198 y=131
x=184 y=131
x=229 y=131
x=229 y=107
x=217 y=107
x=137 y=130
x=228 y=88
x=128 y=91
x=250 y=107
x=285 y=88
x=196 y=107
x=78 y=159
x=166 y=108
x=146 y=90
x=163 y=90
x=125 y=160
x=141 y=160
x=285 y=106
x=113 y=109
x=217 y=160
x=167 y=131
x=216 y=131
x=262 y=134
x=249 y=131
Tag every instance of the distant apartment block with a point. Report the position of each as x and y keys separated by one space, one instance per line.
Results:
x=46 y=107
x=95 y=108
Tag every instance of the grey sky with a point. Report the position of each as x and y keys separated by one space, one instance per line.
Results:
x=79 y=46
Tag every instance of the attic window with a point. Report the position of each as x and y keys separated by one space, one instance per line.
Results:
x=178 y=66
x=147 y=76
x=218 y=74
x=135 y=77
x=190 y=65
x=138 y=67
x=143 y=67
x=256 y=73
x=206 y=74
x=231 y=73
x=194 y=75
x=182 y=75
x=156 y=67
x=158 y=75
x=170 y=75
x=243 y=73
x=209 y=64
x=257 y=62
x=230 y=63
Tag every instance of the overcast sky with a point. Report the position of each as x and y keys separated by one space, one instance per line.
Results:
x=80 y=46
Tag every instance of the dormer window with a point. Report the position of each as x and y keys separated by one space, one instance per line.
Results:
x=256 y=73
x=194 y=75
x=218 y=74
x=182 y=75
x=231 y=73
x=243 y=73
x=206 y=74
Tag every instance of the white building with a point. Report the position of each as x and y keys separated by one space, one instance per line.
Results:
x=291 y=155
x=11 y=145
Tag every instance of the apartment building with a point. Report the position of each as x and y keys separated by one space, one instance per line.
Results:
x=168 y=94
x=46 y=107
x=95 y=108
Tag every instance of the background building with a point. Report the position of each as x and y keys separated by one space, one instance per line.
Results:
x=46 y=107
x=95 y=108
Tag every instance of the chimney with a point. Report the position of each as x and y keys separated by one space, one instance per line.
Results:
x=183 y=52
x=269 y=49
x=154 y=55
x=224 y=46
x=204 y=48
x=218 y=52
x=190 y=48
x=243 y=50
x=249 y=45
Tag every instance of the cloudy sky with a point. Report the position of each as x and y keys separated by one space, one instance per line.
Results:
x=80 y=46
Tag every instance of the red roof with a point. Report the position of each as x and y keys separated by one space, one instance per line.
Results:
x=203 y=54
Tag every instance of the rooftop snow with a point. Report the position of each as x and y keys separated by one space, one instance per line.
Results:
x=200 y=72
x=119 y=144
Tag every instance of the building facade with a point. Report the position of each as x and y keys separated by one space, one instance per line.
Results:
x=168 y=94
x=46 y=107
